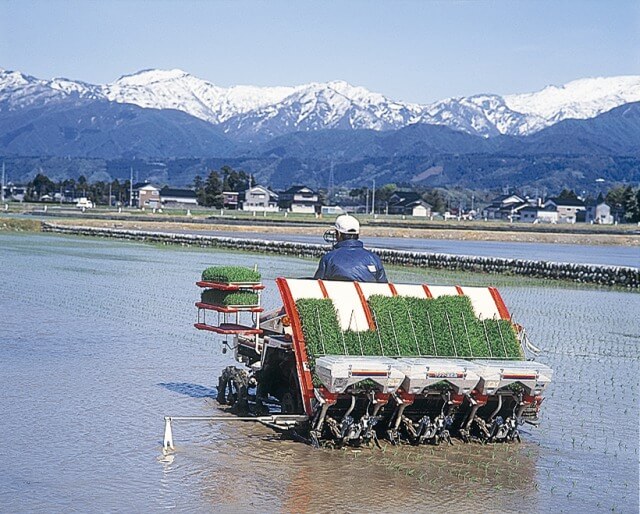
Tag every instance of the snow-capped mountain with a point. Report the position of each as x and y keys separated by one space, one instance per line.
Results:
x=484 y=115
x=579 y=99
x=249 y=112
x=334 y=105
x=22 y=91
x=176 y=89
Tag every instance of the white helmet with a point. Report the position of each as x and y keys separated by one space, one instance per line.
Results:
x=346 y=224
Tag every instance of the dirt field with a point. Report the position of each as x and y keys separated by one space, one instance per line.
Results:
x=368 y=231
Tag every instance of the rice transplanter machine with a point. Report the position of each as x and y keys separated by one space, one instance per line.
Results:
x=349 y=363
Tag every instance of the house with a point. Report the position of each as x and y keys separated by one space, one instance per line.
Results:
x=15 y=193
x=145 y=195
x=260 y=199
x=598 y=212
x=538 y=214
x=299 y=199
x=419 y=208
x=84 y=203
x=568 y=208
x=408 y=203
x=173 y=197
x=331 y=210
x=230 y=199
x=505 y=207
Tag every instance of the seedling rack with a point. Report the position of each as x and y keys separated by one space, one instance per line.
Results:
x=240 y=320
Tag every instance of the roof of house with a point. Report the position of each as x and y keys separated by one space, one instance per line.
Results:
x=419 y=202
x=178 y=193
x=498 y=200
x=537 y=208
x=298 y=189
x=511 y=207
x=567 y=202
x=263 y=188
x=140 y=185
x=403 y=198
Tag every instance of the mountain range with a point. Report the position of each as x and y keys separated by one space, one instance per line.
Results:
x=168 y=114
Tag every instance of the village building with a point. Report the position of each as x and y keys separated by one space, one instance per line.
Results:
x=599 y=212
x=408 y=203
x=505 y=207
x=180 y=198
x=538 y=214
x=230 y=200
x=14 y=192
x=145 y=195
x=300 y=199
x=567 y=208
x=332 y=210
x=260 y=199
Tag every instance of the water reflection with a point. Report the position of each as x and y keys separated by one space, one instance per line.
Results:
x=192 y=390
x=291 y=477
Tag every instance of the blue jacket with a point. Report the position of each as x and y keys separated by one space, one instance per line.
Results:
x=350 y=261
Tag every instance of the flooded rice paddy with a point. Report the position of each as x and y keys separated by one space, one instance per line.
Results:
x=97 y=345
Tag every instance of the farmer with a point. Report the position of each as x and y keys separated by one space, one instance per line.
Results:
x=348 y=260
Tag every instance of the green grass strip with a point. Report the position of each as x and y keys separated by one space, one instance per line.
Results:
x=230 y=274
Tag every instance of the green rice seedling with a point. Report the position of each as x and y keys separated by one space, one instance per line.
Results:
x=394 y=321
x=441 y=328
x=502 y=339
x=406 y=326
x=452 y=309
x=231 y=274
x=217 y=297
x=366 y=342
x=322 y=333
x=421 y=325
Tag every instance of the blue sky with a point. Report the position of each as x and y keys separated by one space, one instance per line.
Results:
x=416 y=51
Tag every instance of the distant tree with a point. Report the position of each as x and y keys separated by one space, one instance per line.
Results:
x=198 y=187
x=234 y=180
x=126 y=193
x=197 y=183
x=323 y=197
x=435 y=199
x=358 y=193
x=631 y=207
x=384 y=193
x=41 y=185
x=616 y=200
x=212 y=191
x=567 y=194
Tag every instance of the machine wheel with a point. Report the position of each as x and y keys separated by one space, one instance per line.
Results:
x=290 y=401
x=289 y=404
x=233 y=387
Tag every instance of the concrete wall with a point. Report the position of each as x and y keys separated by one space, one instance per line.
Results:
x=584 y=273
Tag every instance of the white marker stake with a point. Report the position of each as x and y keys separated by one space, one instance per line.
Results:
x=168 y=435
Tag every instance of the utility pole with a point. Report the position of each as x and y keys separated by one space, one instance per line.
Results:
x=131 y=187
x=373 y=198
x=110 y=184
x=331 y=185
x=2 y=186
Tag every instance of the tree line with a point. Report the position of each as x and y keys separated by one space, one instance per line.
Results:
x=623 y=200
x=98 y=192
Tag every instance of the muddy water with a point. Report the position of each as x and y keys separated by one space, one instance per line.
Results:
x=97 y=344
